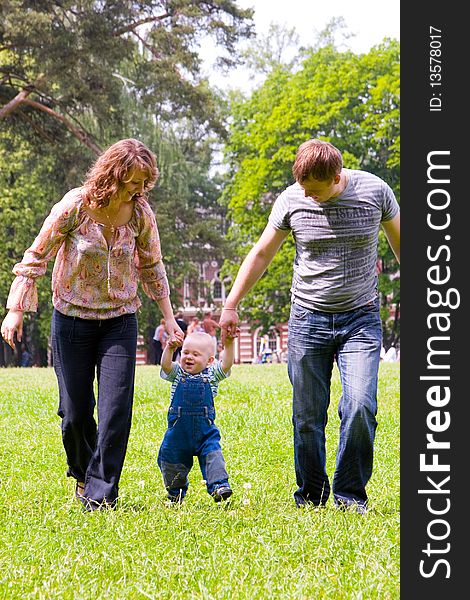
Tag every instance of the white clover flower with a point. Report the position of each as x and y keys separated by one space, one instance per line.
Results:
x=246 y=501
x=141 y=484
x=247 y=485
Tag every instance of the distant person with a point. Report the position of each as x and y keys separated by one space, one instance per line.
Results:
x=184 y=328
x=334 y=215
x=181 y=321
x=194 y=326
x=191 y=428
x=265 y=352
x=104 y=238
x=26 y=358
x=159 y=340
x=391 y=354
x=210 y=326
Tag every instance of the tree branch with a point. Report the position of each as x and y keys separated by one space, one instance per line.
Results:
x=39 y=130
x=81 y=135
x=157 y=56
x=23 y=98
x=136 y=24
x=150 y=48
x=14 y=103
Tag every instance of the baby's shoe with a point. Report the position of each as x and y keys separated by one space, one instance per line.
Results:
x=222 y=493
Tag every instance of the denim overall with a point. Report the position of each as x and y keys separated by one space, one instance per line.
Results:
x=191 y=432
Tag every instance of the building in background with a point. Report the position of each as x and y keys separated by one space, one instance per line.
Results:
x=208 y=294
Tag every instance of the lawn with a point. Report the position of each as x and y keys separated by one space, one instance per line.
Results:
x=257 y=546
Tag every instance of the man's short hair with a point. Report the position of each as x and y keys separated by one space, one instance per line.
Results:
x=318 y=159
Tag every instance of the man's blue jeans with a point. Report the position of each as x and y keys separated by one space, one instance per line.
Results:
x=316 y=338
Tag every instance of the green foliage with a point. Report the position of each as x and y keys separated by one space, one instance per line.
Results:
x=259 y=547
x=102 y=71
x=190 y=220
x=350 y=100
x=29 y=185
x=62 y=63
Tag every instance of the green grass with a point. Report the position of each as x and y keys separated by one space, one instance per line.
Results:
x=259 y=546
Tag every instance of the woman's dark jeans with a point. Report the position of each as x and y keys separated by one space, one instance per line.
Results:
x=80 y=348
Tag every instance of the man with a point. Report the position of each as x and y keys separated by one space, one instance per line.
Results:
x=334 y=215
x=210 y=326
x=179 y=318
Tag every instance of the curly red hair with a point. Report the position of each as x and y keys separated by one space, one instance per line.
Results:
x=115 y=167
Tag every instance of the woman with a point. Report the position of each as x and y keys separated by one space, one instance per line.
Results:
x=104 y=237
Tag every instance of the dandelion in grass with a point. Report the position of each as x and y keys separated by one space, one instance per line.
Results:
x=246 y=489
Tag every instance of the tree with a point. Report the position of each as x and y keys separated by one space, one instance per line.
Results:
x=350 y=100
x=190 y=220
x=76 y=76
x=28 y=179
x=61 y=62
x=272 y=50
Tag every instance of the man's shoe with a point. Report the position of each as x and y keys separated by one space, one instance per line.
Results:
x=222 y=493
x=357 y=507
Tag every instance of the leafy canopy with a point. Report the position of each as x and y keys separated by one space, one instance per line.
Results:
x=61 y=62
x=348 y=99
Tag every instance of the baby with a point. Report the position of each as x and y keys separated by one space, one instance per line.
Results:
x=191 y=429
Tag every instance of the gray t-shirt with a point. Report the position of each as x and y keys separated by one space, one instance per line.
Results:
x=336 y=241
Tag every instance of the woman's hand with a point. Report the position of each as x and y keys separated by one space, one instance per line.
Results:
x=12 y=323
x=175 y=334
x=171 y=326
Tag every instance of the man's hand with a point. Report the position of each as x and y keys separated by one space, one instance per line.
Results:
x=229 y=324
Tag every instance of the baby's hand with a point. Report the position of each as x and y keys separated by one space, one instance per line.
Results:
x=231 y=336
x=173 y=343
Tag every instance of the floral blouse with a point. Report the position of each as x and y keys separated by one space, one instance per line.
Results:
x=90 y=279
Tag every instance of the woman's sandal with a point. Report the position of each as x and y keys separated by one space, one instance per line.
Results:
x=80 y=490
